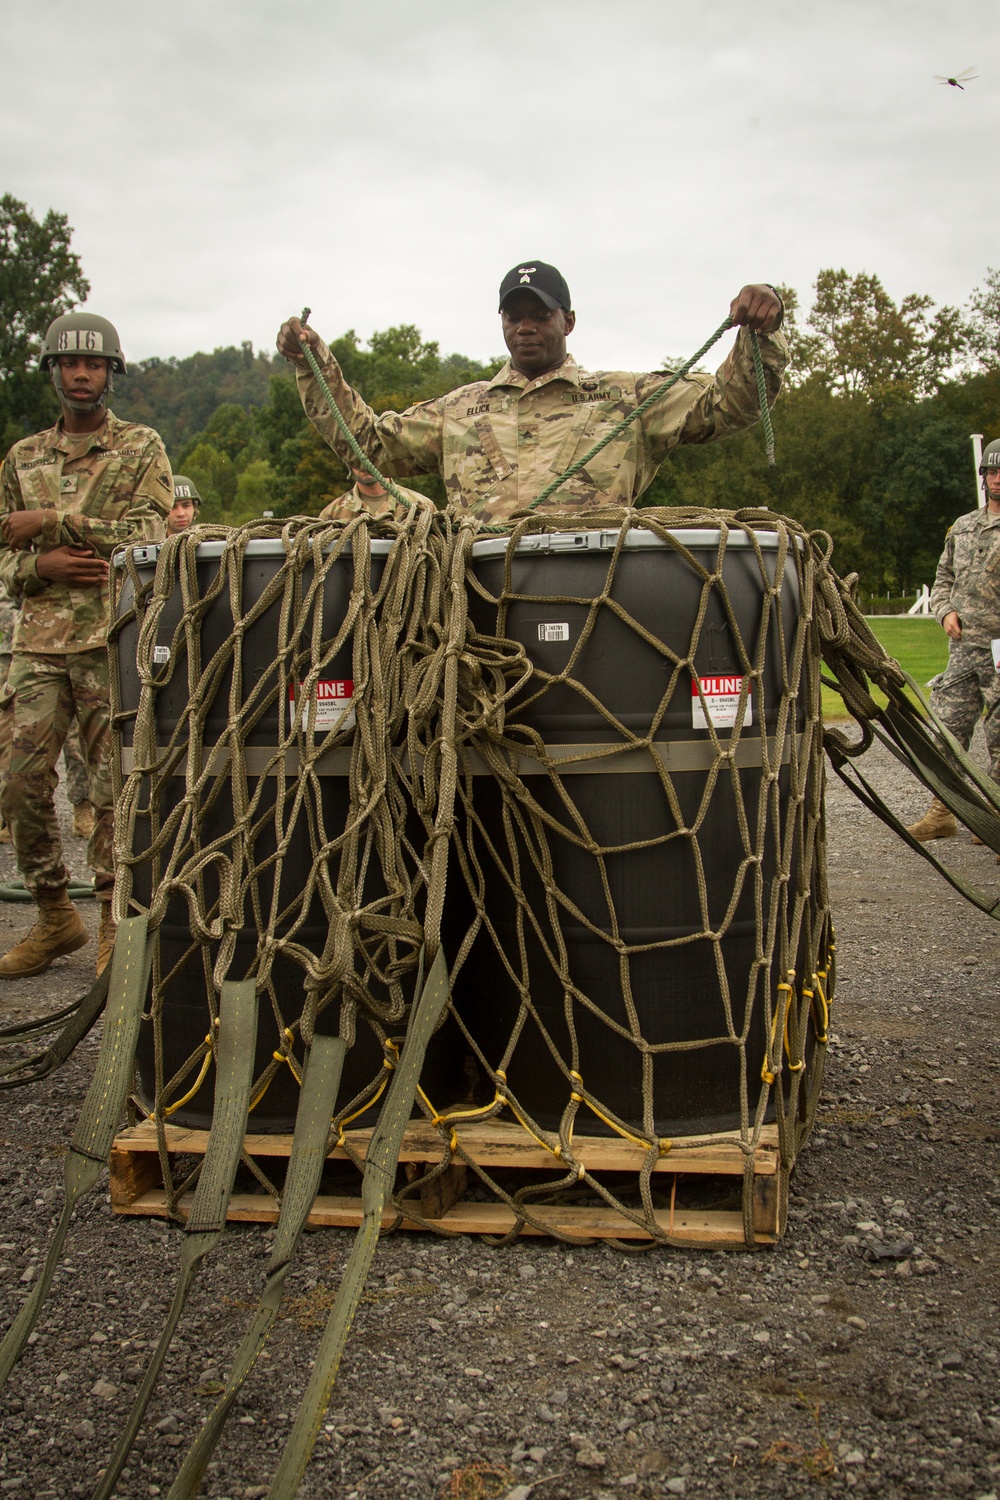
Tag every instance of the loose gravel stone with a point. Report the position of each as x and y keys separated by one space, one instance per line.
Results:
x=681 y=1370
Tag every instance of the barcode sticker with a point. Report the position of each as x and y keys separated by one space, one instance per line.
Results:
x=161 y=654
x=721 y=697
x=330 y=707
x=557 y=631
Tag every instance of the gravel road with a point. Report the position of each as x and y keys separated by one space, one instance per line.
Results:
x=861 y=1353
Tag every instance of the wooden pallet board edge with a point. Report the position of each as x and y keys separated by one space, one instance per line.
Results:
x=498 y=1144
x=711 y=1228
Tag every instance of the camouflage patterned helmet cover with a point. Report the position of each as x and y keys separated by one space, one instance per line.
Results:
x=186 y=489
x=83 y=333
x=991 y=456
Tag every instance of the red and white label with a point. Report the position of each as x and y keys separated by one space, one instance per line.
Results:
x=331 y=706
x=719 y=703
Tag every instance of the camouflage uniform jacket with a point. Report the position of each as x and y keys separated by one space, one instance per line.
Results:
x=99 y=490
x=968 y=577
x=8 y=622
x=498 y=443
x=352 y=503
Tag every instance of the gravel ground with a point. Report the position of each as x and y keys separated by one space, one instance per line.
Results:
x=861 y=1353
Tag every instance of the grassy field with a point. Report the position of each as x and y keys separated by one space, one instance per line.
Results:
x=918 y=644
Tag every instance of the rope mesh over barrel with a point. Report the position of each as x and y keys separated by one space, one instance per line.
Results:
x=208 y=816
x=517 y=843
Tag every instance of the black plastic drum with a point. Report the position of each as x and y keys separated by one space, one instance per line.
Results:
x=654 y=890
x=185 y=1012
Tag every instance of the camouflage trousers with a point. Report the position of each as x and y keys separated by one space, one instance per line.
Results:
x=969 y=687
x=77 y=775
x=42 y=696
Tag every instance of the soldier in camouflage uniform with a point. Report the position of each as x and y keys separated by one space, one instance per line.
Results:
x=77 y=779
x=965 y=600
x=8 y=619
x=367 y=495
x=71 y=495
x=187 y=504
x=498 y=443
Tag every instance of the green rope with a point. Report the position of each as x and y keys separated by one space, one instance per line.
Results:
x=765 y=410
x=633 y=416
x=581 y=463
x=364 y=461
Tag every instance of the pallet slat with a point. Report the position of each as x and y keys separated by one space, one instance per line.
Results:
x=717 y=1227
x=137 y=1183
x=497 y=1144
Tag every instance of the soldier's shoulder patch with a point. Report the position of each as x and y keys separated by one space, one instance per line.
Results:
x=164 y=480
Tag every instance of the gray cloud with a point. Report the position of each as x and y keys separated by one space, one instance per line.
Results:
x=222 y=163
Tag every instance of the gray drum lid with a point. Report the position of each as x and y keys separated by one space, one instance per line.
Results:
x=567 y=543
x=212 y=551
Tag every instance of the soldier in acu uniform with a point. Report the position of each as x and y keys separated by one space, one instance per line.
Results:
x=498 y=443
x=187 y=504
x=965 y=600
x=367 y=495
x=71 y=496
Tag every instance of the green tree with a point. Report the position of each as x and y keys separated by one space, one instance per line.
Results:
x=984 y=323
x=859 y=342
x=254 y=492
x=40 y=277
x=216 y=477
x=179 y=396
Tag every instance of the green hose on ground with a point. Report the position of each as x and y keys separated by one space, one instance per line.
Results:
x=16 y=890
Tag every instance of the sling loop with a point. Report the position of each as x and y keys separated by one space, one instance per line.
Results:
x=317 y=1106
x=207 y=1220
x=102 y=1110
x=377 y=1185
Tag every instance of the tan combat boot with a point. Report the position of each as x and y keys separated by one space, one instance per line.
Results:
x=936 y=823
x=57 y=930
x=83 y=820
x=5 y=837
x=105 y=938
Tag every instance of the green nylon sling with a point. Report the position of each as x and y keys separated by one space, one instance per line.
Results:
x=79 y=1018
x=234 y=1063
x=102 y=1110
x=317 y=1106
x=377 y=1185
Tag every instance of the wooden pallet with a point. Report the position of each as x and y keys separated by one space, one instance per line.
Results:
x=137 y=1181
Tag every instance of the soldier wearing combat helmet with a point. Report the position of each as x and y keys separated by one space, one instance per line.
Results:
x=965 y=600
x=187 y=504
x=71 y=495
x=498 y=443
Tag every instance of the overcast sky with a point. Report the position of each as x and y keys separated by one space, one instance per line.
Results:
x=226 y=161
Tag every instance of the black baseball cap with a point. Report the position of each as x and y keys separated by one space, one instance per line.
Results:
x=545 y=281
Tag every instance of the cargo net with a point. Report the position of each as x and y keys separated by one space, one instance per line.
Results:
x=585 y=756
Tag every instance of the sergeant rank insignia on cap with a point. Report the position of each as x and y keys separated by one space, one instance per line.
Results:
x=526 y=272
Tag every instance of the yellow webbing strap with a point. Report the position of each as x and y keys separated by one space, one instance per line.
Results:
x=377 y=1186
x=233 y=1081
x=101 y=1113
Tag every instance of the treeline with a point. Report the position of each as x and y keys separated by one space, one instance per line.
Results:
x=253 y=449
x=872 y=428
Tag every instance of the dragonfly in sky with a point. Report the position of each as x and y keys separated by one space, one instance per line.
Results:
x=960 y=79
